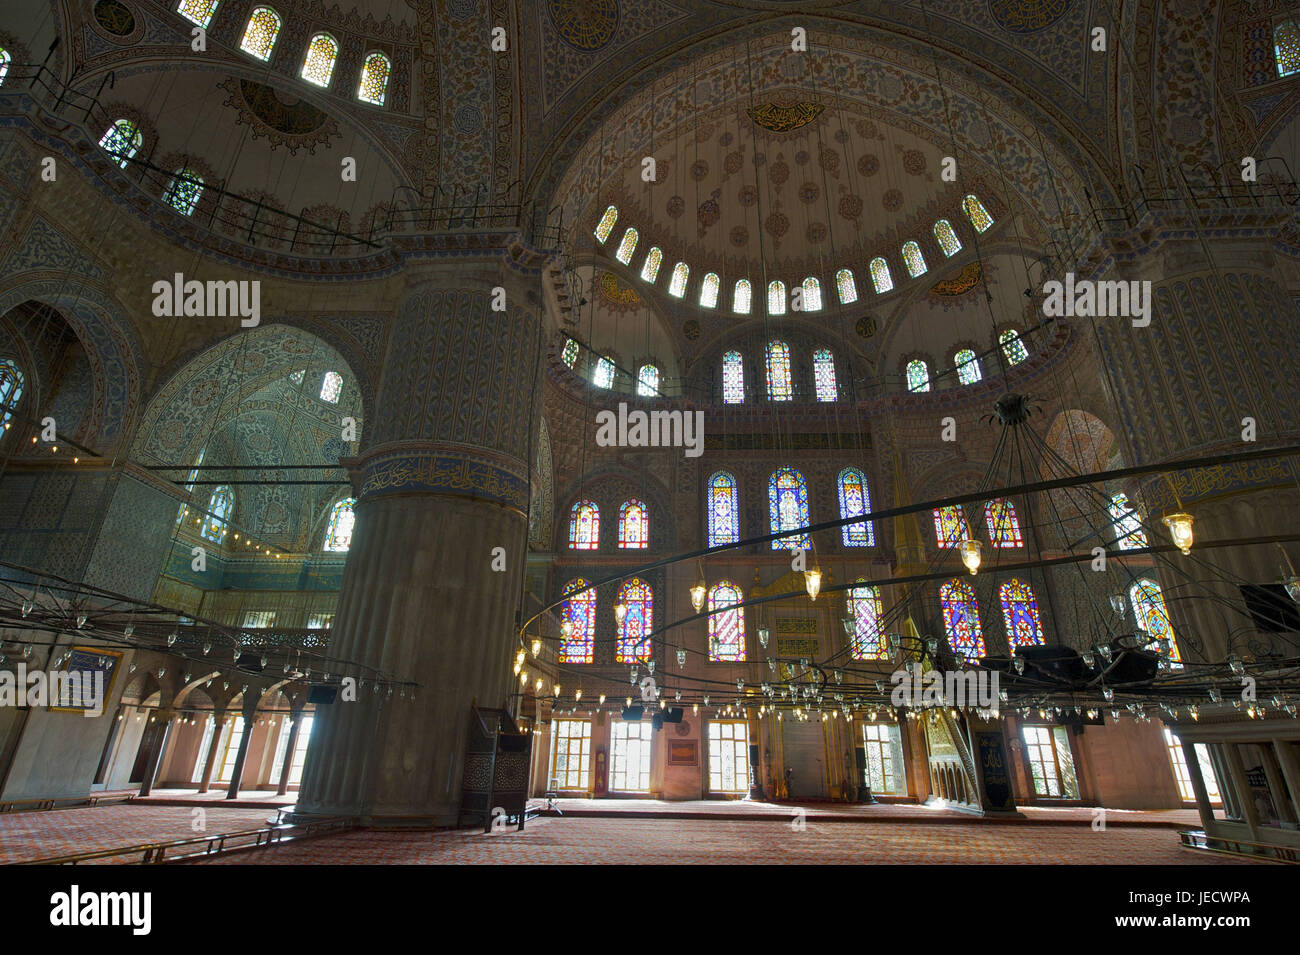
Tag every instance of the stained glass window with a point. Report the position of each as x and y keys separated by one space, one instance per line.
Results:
x=812 y=294
x=787 y=505
x=634 y=631
x=603 y=376
x=650 y=270
x=198 y=11
x=727 y=627
x=217 y=519
x=978 y=215
x=846 y=286
x=778 y=372
x=709 y=290
x=1012 y=346
x=626 y=247
x=1153 y=616
x=867 y=611
x=318 y=67
x=647 y=381
x=918 y=376
x=183 y=191
x=338 y=533
x=1004 y=528
x=1020 y=611
x=570 y=352
x=741 y=298
x=961 y=619
x=122 y=140
x=374 y=83
x=880 y=276
x=579 y=611
x=855 y=501
x=606 y=224
x=824 y=375
x=733 y=378
x=914 y=260
x=189 y=483
x=776 y=298
x=633 y=526
x=1286 y=47
x=946 y=236
x=724 y=509
x=331 y=387
x=584 y=526
x=950 y=527
x=968 y=367
x=259 y=37
x=677 y=286
x=1128 y=525
x=4 y=64
x=11 y=390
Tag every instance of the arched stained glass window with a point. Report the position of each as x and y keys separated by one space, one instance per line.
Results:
x=338 y=532
x=709 y=290
x=787 y=505
x=633 y=526
x=846 y=286
x=968 y=367
x=961 y=619
x=634 y=631
x=198 y=11
x=724 y=509
x=261 y=33
x=647 y=381
x=122 y=140
x=189 y=483
x=1012 y=346
x=1153 y=616
x=650 y=270
x=867 y=611
x=1128 y=524
x=824 y=375
x=579 y=612
x=331 y=387
x=1286 y=47
x=374 y=83
x=606 y=224
x=914 y=260
x=733 y=378
x=1004 y=528
x=603 y=374
x=184 y=191
x=946 y=236
x=778 y=372
x=812 y=294
x=584 y=526
x=677 y=285
x=627 y=246
x=726 y=627
x=570 y=352
x=978 y=215
x=855 y=501
x=776 y=297
x=220 y=506
x=950 y=527
x=318 y=67
x=880 y=276
x=741 y=297
x=918 y=376
x=11 y=390
x=1020 y=611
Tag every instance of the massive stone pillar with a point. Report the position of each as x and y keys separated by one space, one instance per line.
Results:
x=442 y=480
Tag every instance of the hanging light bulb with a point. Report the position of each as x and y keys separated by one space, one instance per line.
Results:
x=681 y=657
x=523 y=678
x=970 y=555
x=81 y=619
x=537 y=646
x=1118 y=604
x=1292 y=585
x=812 y=579
x=650 y=665
x=697 y=595
x=128 y=630
x=847 y=624
x=171 y=638
x=762 y=637
x=27 y=607
x=1180 y=529
x=577 y=695
x=706 y=699
x=602 y=699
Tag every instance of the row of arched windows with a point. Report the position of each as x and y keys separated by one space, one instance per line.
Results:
x=950 y=527
x=787 y=497
x=966 y=363
x=780 y=386
x=633 y=525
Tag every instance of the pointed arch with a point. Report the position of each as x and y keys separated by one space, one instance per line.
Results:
x=787 y=505
x=579 y=612
x=584 y=526
x=855 y=501
x=1004 y=527
x=634 y=642
x=723 y=509
x=633 y=525
x=961 y=619
x=867 y=612
x=1020 y=613
x=726 y=626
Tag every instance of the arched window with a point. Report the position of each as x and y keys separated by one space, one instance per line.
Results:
x=812 y=294
x=606 y=224
x=855 y=501
x=1020 y=611
x=776 y=297
x=374 y=82
x=634 y=631
x=1286 y=47
x=968 y=367
x=579 y=612
x=724 y=509
x=733 y=378
x=950 y=527
x=787 y=506
x=726 y=627
x=220 y=506
x=189 y=484
x=677 y=285
x=331 y=387
x=918 y=376
x=627 y=246
x=1004 y=528
x=4 y=64
x=650 y=269
x=260 y=35
x=584 y=526
x=338 y=533
x=647 y=381
x=947 y=238
x=1152 y=615
x=633 y=526
x=846 y=286
x=824 y=375
x=198 y=11
x=11 y=390
x=709 y=290
x=978 y=215
x=184 y=190
x=914 y=260
x=318 y=67
x=961 y=619
x=740 y=300
x=880 y=276
x=603 y=375
x=122 y=140
x=778 y=372
x=570 y=352
x=1128 y=524
x=1012 y=346
x=866 y=611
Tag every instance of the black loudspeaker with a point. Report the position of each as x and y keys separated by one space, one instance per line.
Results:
x=860 y=757
x=249 y=662
x=657 y=721
x=322 y=694
x=633 y=712
x=673 y=714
